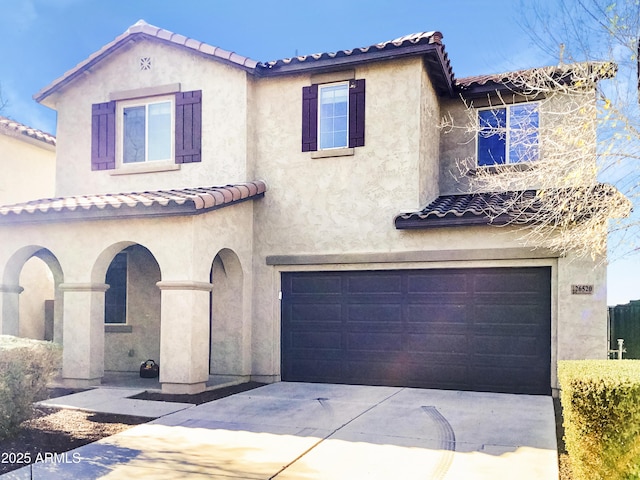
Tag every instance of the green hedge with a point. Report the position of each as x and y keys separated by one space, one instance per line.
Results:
x=26 y=366
x=601 y=408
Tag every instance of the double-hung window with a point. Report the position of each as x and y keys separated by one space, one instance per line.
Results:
x=333 y=115
x=508 y=134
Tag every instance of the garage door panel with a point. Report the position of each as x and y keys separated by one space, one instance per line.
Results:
x=445 y=375
x=438 y=343
x=443 y=313
x=316 y=370
x=368 y=372
x=431 y=283
x=473 y=329
x=374 y=284
x=314 y=284
x=504 y=345
x=375 y=342
x=516 y=282
x=315 y=340
x=485 y=378
x=316 y=312
x=385 y=313
x=507 y=315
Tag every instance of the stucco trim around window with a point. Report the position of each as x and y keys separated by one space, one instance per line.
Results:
x=333 y=152
x=145 y=92
x=133 y=169
x=117 y=328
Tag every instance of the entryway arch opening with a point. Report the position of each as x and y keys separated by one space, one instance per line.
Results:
x=132 y=306
x=227 y=330
x=31 y=297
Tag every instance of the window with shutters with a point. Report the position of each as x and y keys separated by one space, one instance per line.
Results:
x=160 y=130
x=333 y=116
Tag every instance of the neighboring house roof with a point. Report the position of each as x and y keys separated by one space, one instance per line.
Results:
x=501 y=208
x=186 y=201
x=425 y=43
x=514 y=80
x=17 y=129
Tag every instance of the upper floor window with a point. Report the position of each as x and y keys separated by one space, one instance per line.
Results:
x=333 y=115
x=146 y=131
x=157 y=128
x=508 y=134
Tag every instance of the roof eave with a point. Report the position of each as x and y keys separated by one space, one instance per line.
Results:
x=433 y=53
x=112 y=213
x=468 y=220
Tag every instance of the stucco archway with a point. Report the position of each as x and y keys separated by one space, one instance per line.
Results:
x=31 y=297
x=132 y=305
x=226 y=315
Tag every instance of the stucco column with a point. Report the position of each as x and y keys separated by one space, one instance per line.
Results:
x=83 y=333
x=10 y=309
x=184 y=336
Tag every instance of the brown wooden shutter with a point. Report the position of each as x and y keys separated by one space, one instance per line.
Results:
x=188 y=126
x=103 y=136
x=310 y=118
x=356 y=113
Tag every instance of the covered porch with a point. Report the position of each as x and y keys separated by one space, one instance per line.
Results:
x=178 y=264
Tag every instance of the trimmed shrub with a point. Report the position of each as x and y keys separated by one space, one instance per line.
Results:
x=26 y=366
x=601 y=407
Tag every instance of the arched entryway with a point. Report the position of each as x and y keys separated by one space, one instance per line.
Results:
x=227 y=332
x=31 y=297
x=131 y=307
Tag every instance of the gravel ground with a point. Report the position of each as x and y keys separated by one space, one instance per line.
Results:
x=56 y=431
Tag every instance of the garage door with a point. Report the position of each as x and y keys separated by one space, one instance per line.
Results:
x=467 y=329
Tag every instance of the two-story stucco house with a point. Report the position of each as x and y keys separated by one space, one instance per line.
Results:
x=291 y=220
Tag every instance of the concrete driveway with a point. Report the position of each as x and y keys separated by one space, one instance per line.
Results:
x=318 y=431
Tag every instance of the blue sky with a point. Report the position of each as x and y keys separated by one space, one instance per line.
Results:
x=42 y=39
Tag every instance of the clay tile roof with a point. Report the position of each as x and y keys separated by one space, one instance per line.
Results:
x=187 y=201
x=597 y=70
x=412 y=39
x=461 y=210
x=11 y=127
x=510 y=207
x=142 y=28
x=428 y=44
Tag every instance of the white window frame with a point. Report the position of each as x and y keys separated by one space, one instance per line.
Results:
x=144 y=102
x=507 y=134
x=319 y=133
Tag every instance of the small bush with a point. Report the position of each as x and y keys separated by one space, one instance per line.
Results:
x=601 y=406
x=25 y=368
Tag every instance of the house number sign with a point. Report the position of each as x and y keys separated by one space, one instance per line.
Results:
x=581 y=289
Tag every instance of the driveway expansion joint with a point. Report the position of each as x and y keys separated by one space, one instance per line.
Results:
x=321 y=400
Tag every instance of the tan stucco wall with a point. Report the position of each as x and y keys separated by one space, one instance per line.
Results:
x=28 y=168
x=224 y=112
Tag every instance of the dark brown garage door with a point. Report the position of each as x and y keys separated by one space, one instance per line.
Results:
x=467 y=329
